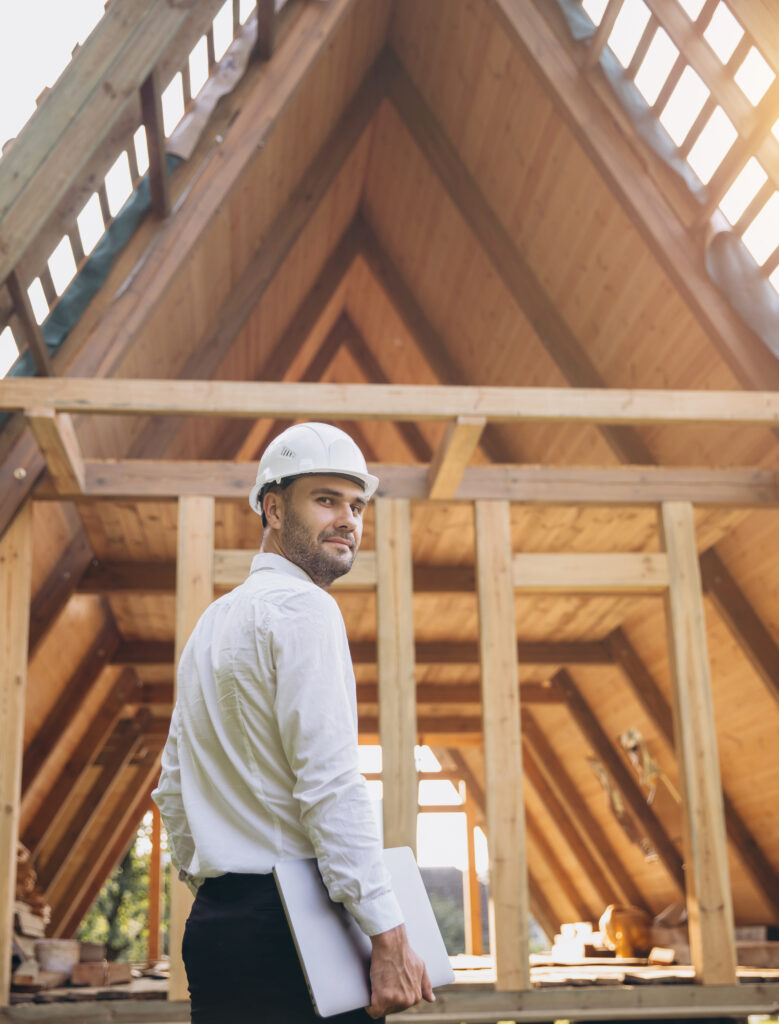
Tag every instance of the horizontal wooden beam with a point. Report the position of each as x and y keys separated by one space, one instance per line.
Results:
x=577 y=572
x=253 y=399
x=426 y=653
x=141 y=479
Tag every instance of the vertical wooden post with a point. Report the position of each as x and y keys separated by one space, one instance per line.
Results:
x=709 y=902
x=15 y=569
x=471 y=889
x=155 y=885
x=510 y=913
x=397 y=686
x=194 y=592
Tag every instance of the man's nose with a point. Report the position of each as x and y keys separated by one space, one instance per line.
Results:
x=348 y=518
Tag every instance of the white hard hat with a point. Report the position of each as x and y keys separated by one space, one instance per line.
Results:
x=311 y=448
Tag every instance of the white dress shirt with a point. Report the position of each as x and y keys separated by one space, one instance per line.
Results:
x=260 y=764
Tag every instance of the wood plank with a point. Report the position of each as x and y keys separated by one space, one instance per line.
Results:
x=430 y=344
x=453 y=455
x=517 y=275
x=540 y=485
x=155 y=885
x=32 y=332
x=43 y=744
x=115 y=837
x=651 y=698
x=752 y=636
x=551 y=55
x=15 y=582
x=709 y=899
x=543 y=572
x=194 y=593
x=395 y=652
x=151 y=111
x=509 y=924
x=266 y=28
x=574 y=806
x=124 y=691
x=59 y=445
x=247 y=399
x=635 y=801
x=73 y=140
x=602 y=32
x=124 y=744
x=474 y=943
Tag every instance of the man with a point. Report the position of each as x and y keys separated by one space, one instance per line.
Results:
x=261 y=761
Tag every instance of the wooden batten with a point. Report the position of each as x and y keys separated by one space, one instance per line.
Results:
x=151 y=108
x=453 y=455
x=15 y=577
x=59 y=446
x=194 y=593
x=155 y=885
x=474 y=944
x=509 y=925
x=709 y=900
x=397 y=686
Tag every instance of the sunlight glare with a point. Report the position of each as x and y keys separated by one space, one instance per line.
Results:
x=119 y=184
x=172 y=104
x=754 y=76
x=762 y=234
x=628 y=29
x=40 y=306
x=684 y=105
x=712 y=144
x=723 y=33
x=743 y=190
x=62 y=265
x=656 y=66
x=594 y=9
x=9 y=351
x=90 y=224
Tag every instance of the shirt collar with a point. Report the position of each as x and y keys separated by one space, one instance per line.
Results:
x=268 y=560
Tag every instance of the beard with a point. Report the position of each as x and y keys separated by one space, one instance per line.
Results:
x=306 y=550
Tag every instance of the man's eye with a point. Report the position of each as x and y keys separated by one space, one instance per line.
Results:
x=357 y=509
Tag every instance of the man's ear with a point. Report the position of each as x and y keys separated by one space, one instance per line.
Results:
x=272 y=504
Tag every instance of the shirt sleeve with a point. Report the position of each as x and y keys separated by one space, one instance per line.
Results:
x=168 y=797
x=317 y=720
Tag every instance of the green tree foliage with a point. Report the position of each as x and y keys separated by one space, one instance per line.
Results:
x=119 y=917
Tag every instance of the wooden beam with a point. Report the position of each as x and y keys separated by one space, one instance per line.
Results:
x=395 y=649
x=62 y=580
x=753 y=638
x=474 y=944
x=576 y=809
x=453 y=455
x=543 y=572
x=551 y=56
x=568 y=829
x=59 y=445
x=114 y=838
x=411 y=402
x=124 y=691
x=509 y=925
x=287 y=228
x=151 y=112
x=15 y=582
x=139 y=479
x=32 y=332
x=517 y=275
x=266 y=28
x=709 y=900
x=635 y=800
x=154 y=948
x=71 y=698
x=582 y=909
x=600 y=37
x=651 y=698
x=194 y=593
x=121 y=747
x=430 y=344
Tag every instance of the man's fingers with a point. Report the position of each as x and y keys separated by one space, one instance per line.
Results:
x=427 y=988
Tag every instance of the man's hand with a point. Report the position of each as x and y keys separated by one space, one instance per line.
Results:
x=398 y=976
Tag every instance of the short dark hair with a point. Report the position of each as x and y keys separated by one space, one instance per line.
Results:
x=276 y=487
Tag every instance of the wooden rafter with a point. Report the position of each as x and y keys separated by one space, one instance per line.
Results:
x=151 y=111
x=517 y=275
x=565 y=790
x=30 y=329
x=451 y=459
x=551 y=56
x=582 y=909
x=597 y=44
x=634 y=799
x=753 y=638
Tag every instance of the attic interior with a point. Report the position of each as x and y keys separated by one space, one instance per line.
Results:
x=439 y=226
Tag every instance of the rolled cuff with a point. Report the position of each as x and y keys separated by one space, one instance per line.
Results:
x=378 y=914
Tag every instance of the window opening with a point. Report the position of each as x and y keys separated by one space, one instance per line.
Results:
x=684 y=105
x=723 y=33
x=628 y=29
x=141 y=147
x=172 y=104
x=743 y=190
x=198 y=66
x=62 y=265
x=711 y=146
x=692 y=8
x=754 y=76
x=223 y=29
x=40 y=307
x=9 y=351
x=118 y=184
x=656 y=66
x=761 y=236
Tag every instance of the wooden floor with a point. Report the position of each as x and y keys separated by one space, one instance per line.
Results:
x=625 y=990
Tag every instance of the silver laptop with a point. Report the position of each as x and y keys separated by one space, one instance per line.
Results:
x=334 y=953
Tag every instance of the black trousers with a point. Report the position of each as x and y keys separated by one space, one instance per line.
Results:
x=241 y=962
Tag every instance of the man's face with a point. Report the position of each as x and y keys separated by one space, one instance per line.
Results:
x=321 y=525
